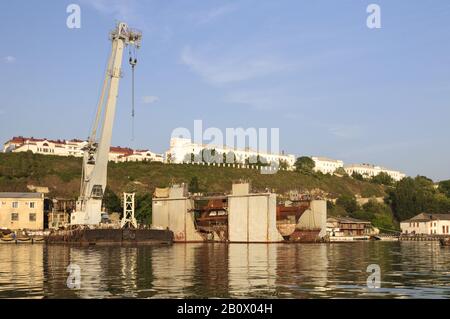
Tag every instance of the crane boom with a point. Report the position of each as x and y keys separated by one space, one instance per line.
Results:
x=96 y=153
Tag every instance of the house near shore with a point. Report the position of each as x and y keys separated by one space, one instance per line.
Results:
x=22 y=211
x=347 y=226
x=427 y=224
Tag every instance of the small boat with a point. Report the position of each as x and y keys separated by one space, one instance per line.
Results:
x=23 y=239
x=7 y=239
x=445 y=242
x=38 y=239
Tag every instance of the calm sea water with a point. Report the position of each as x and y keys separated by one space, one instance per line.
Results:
x=408 y=269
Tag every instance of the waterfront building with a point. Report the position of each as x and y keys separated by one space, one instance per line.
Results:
x=347 y=226
x=22 y=211
x=369 y=171
x=75 y=148
x=427 y=224
x=182 y=149
x=326 y=165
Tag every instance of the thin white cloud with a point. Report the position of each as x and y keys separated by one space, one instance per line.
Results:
x=150 y=99
x=213 y=14
x=9 y=59
x=230 y=67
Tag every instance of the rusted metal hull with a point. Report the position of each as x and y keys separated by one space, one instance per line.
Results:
x=305 y=236
x=111 y=237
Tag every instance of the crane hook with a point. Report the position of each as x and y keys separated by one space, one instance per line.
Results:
x=133 y=63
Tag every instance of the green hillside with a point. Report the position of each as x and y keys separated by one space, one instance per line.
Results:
x=62 y=176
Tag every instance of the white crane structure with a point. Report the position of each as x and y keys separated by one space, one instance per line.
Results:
x=95 y=161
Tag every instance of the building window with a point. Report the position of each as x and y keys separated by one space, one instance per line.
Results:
x=14 y=217
x=15 y=204
x=32 y=217
x=32 y=205
x=443 y=229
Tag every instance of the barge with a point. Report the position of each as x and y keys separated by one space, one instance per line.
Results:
x=87 y=237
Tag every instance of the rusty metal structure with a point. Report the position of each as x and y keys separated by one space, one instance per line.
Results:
x=211 y=216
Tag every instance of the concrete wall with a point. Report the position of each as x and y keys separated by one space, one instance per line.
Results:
x=252 y=217
x=173 y=213
x=315 y=217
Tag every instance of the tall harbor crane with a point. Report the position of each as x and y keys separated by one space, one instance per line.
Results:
x=95 y=160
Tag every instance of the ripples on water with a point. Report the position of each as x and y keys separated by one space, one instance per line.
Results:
x=408 y=269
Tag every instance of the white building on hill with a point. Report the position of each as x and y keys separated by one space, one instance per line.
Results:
x=75 y=148
x=369 y=171
x=181 y=150
x=326 y=165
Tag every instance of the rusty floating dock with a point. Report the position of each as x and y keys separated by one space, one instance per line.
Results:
x=111 y=237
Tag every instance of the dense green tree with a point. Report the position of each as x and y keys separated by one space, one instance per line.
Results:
x=193 y=185
x=111 y=201
x=444 y=187
x=383 y=179
x=412 y=196
x=283 y=164
x=305 y=165
x=143 y=208
x=357 y=176
x=348 y=202
x=379 y=214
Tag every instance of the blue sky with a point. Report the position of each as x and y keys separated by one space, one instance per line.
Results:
x=312 y=68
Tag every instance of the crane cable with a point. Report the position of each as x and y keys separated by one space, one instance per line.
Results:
x=133 y=62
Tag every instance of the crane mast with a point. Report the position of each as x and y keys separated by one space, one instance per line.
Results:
x=96 y=153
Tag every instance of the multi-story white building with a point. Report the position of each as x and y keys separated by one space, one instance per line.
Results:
x=75 y=148
x=182 y=149
x=433 y=224
x=118 y=154
x=45 y=146
x=326 y=165
x=369 y=171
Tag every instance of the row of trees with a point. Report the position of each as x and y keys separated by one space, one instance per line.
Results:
x=379 y=214
x=405 y=199
x=213 y=156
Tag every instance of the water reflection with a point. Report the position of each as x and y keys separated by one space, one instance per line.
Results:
x=408 y=269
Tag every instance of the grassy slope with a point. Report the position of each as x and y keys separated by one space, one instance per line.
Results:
x=62 y=176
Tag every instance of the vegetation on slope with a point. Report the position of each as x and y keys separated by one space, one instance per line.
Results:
x=61 y=175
